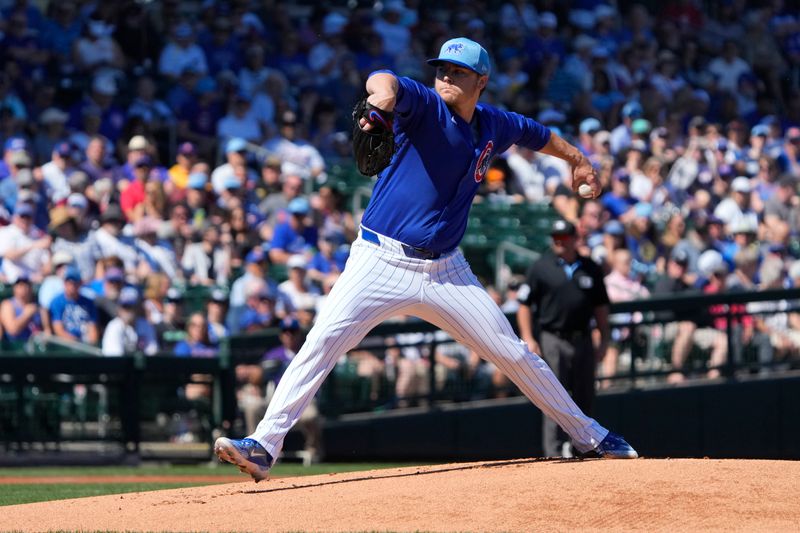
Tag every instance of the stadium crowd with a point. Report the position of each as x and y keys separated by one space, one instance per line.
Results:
x=154 y=147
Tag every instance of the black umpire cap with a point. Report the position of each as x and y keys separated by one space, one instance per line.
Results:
x=562 y=227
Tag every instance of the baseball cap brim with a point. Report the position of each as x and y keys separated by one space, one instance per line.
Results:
x=436 y=61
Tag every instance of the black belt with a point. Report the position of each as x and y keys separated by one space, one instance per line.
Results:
x=410 y=251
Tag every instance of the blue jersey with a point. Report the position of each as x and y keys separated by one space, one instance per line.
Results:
x=423 y=197
x=75 y=315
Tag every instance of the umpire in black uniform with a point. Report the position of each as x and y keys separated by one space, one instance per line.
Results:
x=563 y=292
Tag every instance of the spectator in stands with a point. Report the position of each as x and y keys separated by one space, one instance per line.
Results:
x=301 y=294
x=621 y=135
x=260 y=308
x=198 y=115
x=297 y=155
x=19 y=164
x=52 y=286
x=23 y=247
x=96 y=52
x=329 y=261
x=181 y=52
x=782 y=209
x=273 y=207
x=207 y=262
x=618 y=200
x=74 y=316
x=19 y=314
x=129 y=332
x=69 y=236
x=132 y=198
x=97 y=165
x=108 y=241
x=158 y=254
x=244 y=233
x=175 y=187
x=198 y=198
x=221 y=47
x=56 y=170
x=61 y=30
x=50 y=135
x=777 y=334
x=736 y=208
x=296 y=235
x=23 y=47
x=240 y=122
x=235 y=154
x=196 y=343
x=711 y=333
x=256 y=267
x=107 y=301
x=138 y=147
x=622 y=285
x=216 y=311
x=155 y=113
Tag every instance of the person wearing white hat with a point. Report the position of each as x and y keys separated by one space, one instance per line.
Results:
x=302 y=294
x=736 y=207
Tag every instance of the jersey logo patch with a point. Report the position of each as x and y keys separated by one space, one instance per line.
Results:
x=455 y=49
x=482 y=166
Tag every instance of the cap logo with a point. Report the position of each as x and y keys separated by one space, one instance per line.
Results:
x=455 y=49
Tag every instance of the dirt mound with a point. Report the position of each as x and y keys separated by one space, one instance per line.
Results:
x=525 y=495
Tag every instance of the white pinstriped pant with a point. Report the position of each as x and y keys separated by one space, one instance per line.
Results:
x=379 y=282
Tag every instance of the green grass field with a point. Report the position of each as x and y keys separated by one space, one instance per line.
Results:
x=16 y=493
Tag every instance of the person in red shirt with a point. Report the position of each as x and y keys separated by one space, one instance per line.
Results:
x=132 y=198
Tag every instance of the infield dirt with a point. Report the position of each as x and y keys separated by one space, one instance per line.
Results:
x=524 y=495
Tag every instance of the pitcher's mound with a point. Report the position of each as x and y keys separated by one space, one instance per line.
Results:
x=524 y=495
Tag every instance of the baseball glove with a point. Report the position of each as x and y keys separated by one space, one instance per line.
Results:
x=373 y=149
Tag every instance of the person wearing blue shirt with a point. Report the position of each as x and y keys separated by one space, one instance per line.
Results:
x=296 y=235
x=74 y=317
x=618 y=200
x=196 y=343
x=406 y=259
x=19 y=315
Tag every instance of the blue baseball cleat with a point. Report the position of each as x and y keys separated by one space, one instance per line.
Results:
x=247 y=454
x=615 y=447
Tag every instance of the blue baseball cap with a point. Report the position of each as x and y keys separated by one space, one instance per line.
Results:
x=23 y=209
x=464 y=53
x=299 y=206
x=64 y=149
x=236 y=144
x=128 y=297
x=760 y=130
x=197 y=180
x=256 y=255
x=73 y=274
x=16 y=144
x=590 y=125
x=614 y=227
x=632 y=109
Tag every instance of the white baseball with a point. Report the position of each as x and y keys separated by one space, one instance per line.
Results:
x=585 y=190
